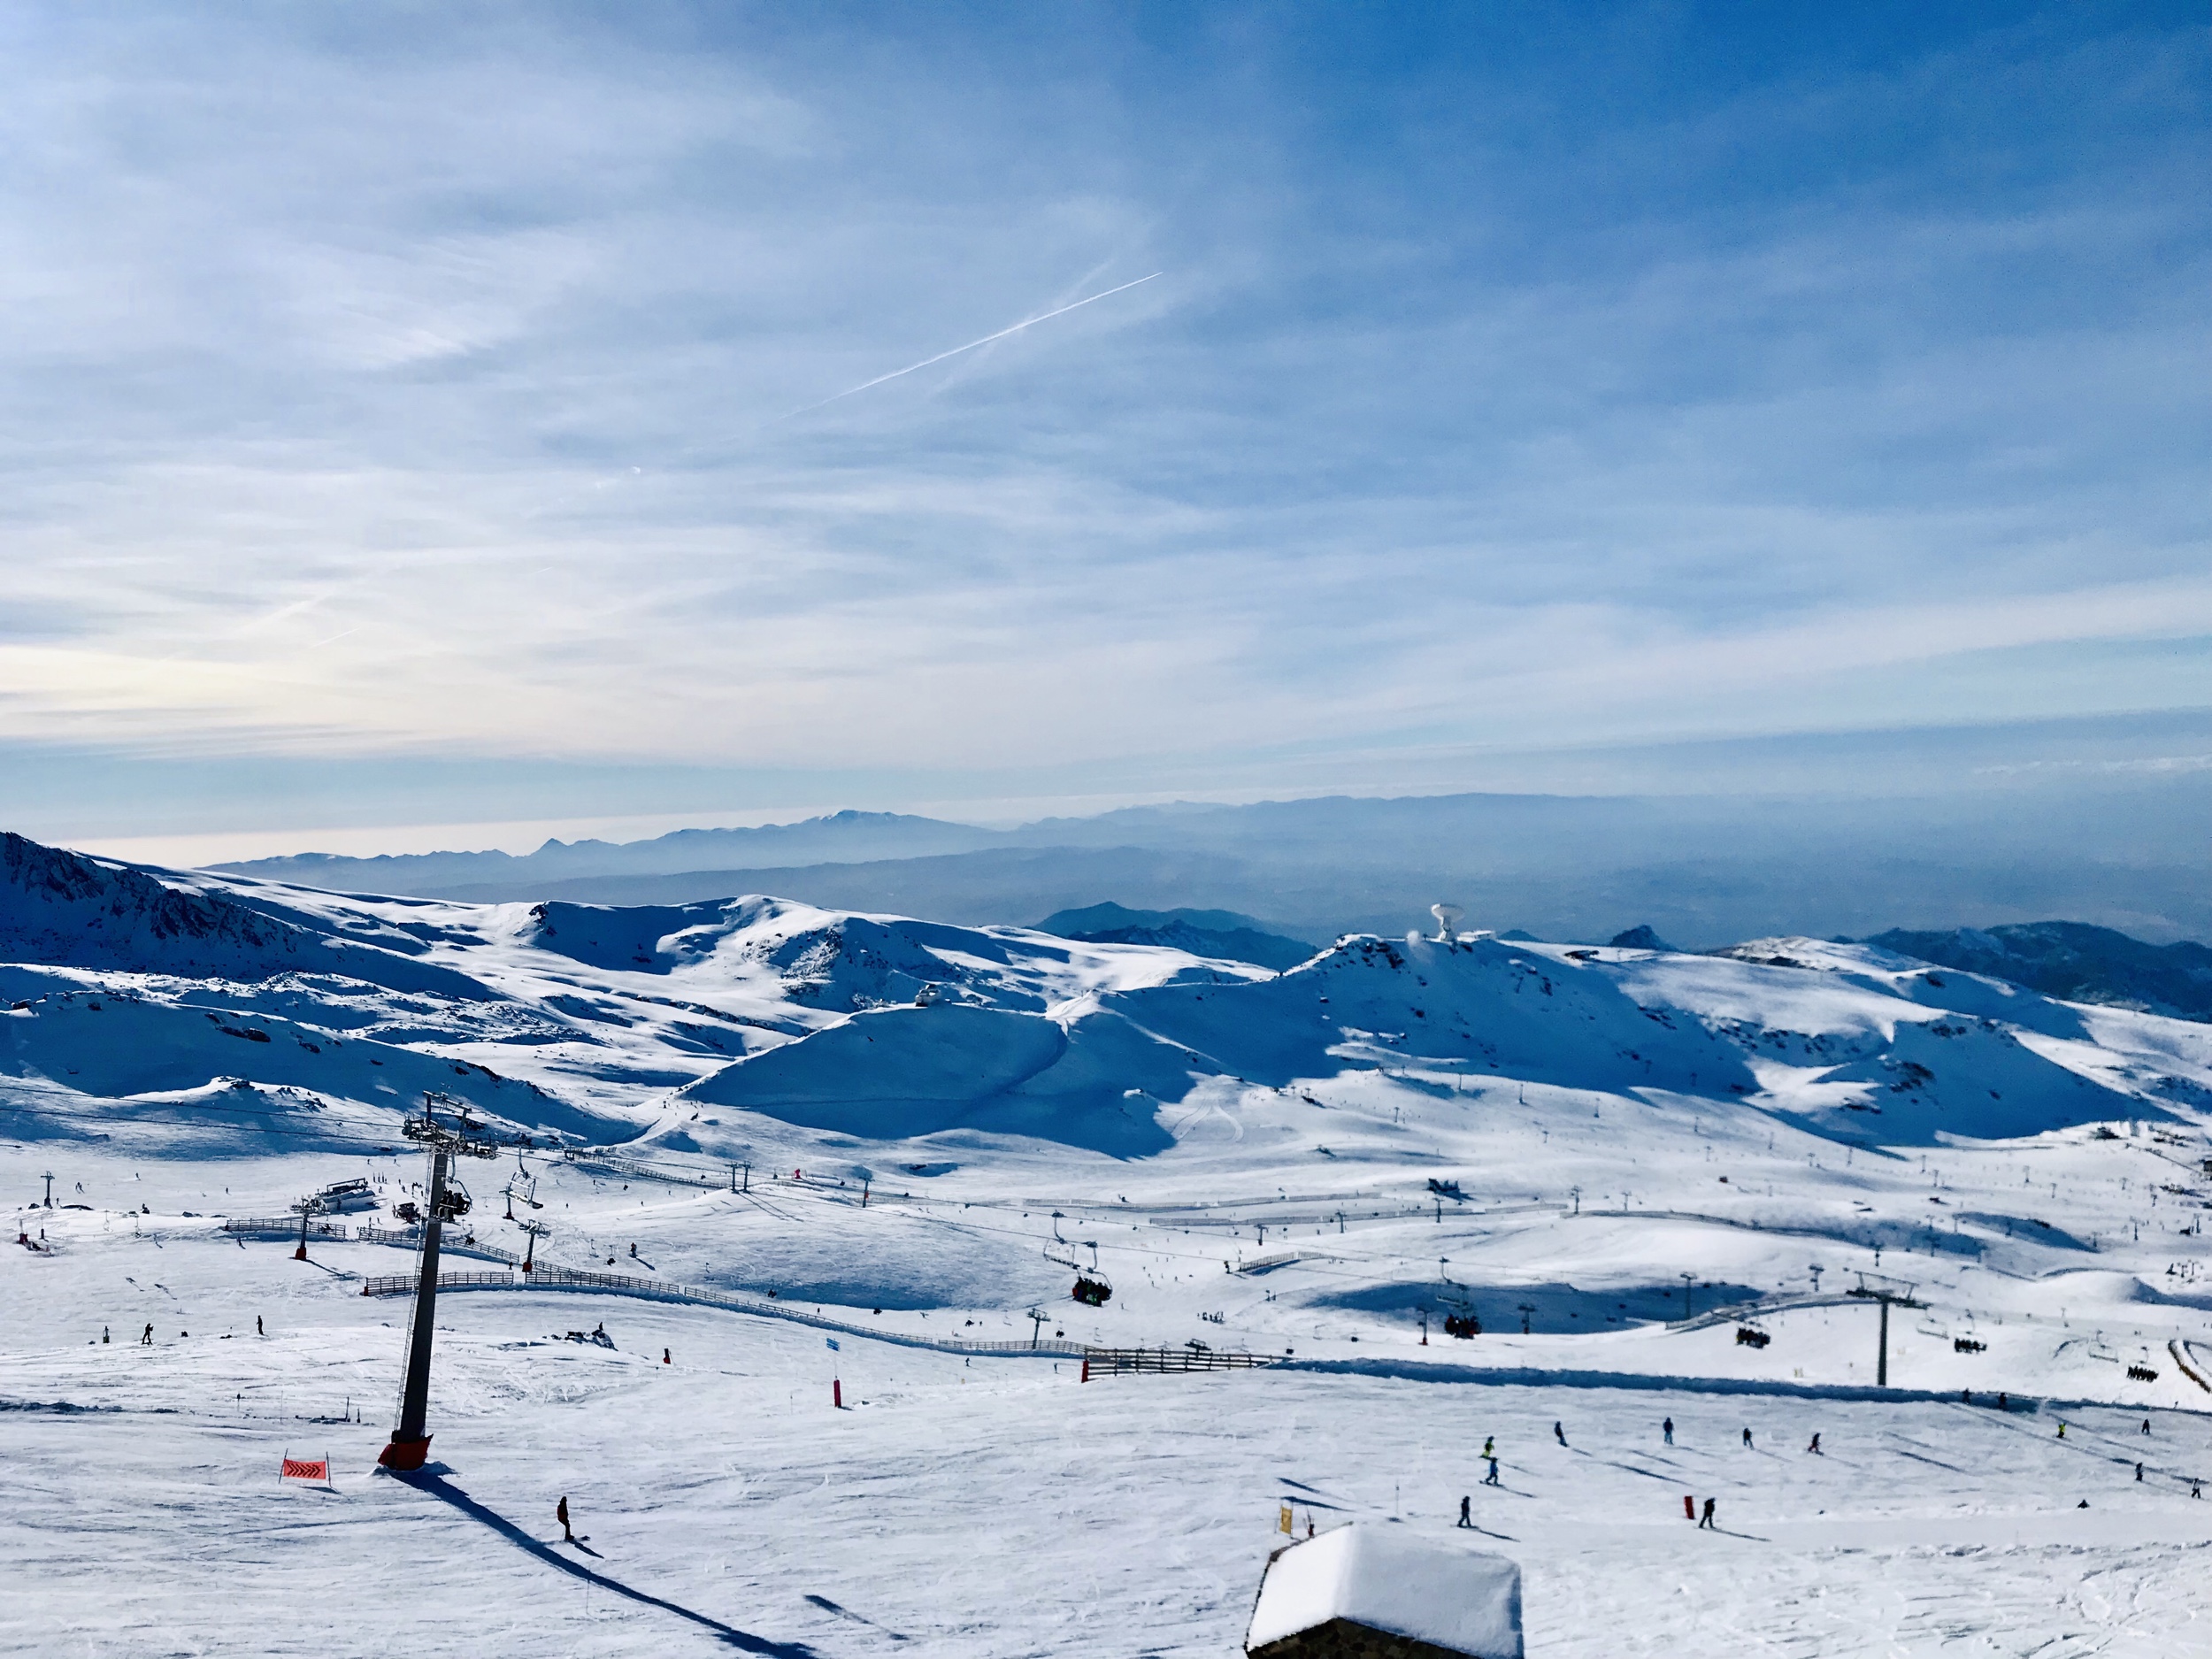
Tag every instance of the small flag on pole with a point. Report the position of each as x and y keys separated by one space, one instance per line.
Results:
x=833 y=1342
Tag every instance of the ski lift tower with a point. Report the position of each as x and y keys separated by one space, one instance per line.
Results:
x=410 y=1443
x=536 y=1230
x=1875 y=1287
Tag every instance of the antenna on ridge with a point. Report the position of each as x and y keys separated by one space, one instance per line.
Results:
x=1447 y=921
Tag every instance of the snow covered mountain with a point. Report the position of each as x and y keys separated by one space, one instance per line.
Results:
x=556 y=1015
x=1636 y=1183
x=2074 y=961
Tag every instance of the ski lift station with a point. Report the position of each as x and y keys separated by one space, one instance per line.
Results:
x=1371 y=1591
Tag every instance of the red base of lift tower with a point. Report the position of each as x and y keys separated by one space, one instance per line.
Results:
x=403 y=1455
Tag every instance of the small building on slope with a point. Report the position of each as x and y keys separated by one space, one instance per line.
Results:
x=1383 y=1592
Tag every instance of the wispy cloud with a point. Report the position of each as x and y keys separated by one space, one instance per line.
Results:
x=377 y=397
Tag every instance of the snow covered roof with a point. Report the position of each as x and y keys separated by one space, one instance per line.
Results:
x=1391 y=1580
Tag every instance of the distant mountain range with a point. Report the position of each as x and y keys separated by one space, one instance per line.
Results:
x=1700 y=871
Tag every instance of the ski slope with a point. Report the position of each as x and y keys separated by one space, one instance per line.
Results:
x=1614 y=1160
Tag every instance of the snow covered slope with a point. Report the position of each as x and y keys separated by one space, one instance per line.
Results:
x=1606 y=1166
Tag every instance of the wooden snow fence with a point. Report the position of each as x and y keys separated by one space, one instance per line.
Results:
x=1116 y=1362
x=404 y=1284
x=278 y=1228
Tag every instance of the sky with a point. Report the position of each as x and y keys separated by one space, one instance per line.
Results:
x=432 y=425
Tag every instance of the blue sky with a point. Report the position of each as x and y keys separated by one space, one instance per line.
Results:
x=410 y=426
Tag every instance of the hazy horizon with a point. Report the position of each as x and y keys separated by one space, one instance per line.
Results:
x=504 y=422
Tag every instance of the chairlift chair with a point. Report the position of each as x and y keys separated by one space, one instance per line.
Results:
x=454 y=1202
x=1093 y=1290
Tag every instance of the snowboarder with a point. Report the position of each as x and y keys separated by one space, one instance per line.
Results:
x=1489 y=1445
x=1464 y=1519
x=1708 y=1520
x=2146 y=1425
x=1746 y=1438
x=1667 y=1429
x=634 y=1252
x=1814 y=1447
x=257 y=1330
x=2139 y=1474
x=1559 y=1433
x=560 y=1514
x=2062 y=1428
x=1491 y=1479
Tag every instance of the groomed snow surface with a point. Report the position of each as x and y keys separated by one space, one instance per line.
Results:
x=1304 y=1167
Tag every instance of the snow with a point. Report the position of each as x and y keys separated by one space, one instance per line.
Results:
x=1464 y=1601
x=1249 y=1158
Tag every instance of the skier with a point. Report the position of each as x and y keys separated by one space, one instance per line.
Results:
x=560 y=1514
x=257 y=1330
x=1463 y=1519
x=1708 y=1520
x=1667 y=1429
x=2062 y=1428
x=1559 y=1433
x=2146 y=1425
x=1746 y=1438
x=104 y=1334
x=1489 y=1445
x=147 y=1341
x=664 y=1359
x=1814 y=1447
x=1491 y=1479
x=2139 y=1474
x=634 y=1252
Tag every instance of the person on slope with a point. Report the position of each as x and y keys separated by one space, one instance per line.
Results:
x=1708 y=1520
x=1464 y=1519
x=1667 y=1429
x=560 y=1514
x=1491 y=1479
x=1746 y=1437
x=147 y=1341
x=1559 y=1433
x=1814 y=1447
x=1489 y=1445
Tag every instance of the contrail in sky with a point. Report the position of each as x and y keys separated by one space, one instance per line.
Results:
x=971 y=346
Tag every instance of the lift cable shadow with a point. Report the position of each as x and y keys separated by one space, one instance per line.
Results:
x=437 y=1486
